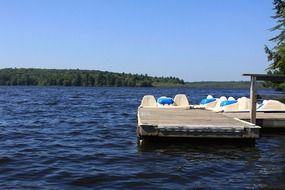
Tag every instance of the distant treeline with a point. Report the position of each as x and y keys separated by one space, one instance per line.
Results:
x=224 y=84
x=56 y=77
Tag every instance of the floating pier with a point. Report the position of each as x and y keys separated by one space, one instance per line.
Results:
x=267 y=120
x=192 y=123
x=177 y=119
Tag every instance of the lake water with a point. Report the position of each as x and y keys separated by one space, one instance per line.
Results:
x=85 y=138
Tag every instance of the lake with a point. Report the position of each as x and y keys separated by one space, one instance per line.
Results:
x=85 y=138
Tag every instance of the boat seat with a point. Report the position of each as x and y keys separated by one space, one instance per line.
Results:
x=181 y=101
x=217 y=107
x=212 y=103
x=148 y=101
x=243 y=104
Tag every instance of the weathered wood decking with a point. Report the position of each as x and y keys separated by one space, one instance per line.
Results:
x=267 y=120
x=193 y=123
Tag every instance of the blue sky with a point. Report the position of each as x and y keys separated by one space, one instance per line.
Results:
x=195 y=40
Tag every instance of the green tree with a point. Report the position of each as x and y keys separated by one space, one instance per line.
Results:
x=276 y=55
x=52 y=77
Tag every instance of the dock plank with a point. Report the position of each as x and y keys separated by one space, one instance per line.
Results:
x=267 y=120
x=259 y=115
x=180 y=116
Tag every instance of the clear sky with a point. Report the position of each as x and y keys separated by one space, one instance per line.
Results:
x=191 y=39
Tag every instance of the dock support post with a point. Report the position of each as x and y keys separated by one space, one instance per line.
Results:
x=253 y=100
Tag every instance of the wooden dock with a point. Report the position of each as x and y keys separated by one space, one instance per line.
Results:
x=267 y=120
x=192 y=123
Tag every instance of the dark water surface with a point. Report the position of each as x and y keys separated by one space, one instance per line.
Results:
x=85 y=138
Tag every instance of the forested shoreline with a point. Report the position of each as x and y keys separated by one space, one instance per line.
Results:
x=222 y=84
x=76 y=77
x=90 y=78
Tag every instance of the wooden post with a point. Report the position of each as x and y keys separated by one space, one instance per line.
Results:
x=253 y=100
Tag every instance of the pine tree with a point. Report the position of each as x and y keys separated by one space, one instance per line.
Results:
x=276 y=55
